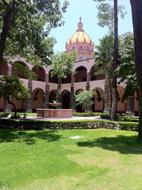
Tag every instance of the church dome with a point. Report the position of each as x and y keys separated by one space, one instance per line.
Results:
x=80 y=36
x=81 y=43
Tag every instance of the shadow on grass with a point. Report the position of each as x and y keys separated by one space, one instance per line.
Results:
x=120 y=143
x=29 y=137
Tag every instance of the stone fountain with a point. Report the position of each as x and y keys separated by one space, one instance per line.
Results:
x=54 y=111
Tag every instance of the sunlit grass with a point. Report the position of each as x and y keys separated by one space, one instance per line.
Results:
x=51 y=160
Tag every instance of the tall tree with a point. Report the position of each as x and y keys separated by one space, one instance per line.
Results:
x=126 y=70
x=108 y=16
x=62 y=64
x=137 y=20
x=25 y=25
x=104 y=60
x=115 y=62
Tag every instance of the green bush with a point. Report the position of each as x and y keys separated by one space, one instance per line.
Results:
x=105 y=115
x=67 y=124
x=86 y=114
x=128 y=118
x=4 y=114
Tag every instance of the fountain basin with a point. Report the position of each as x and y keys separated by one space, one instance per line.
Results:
x=54 y=113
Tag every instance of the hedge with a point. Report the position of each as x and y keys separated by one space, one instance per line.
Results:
x=67 y=124
x=86 y=114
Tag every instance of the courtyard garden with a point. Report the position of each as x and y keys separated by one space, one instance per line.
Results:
x=100 y=159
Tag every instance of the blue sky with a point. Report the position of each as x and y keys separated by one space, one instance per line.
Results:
x=88 y=11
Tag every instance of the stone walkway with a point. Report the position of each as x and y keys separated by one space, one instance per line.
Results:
x=69 y=119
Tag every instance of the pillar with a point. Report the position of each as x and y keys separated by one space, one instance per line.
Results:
x=88 y=81
x=130 y=105
x=46 y=101
x=29 y=100
x=72 y=100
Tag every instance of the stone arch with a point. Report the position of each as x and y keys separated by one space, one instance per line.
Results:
x=79 y=108
x=52 y=95
x=20 y=104
x=53 y=79
x=121 y=105
x=80 y=74
x=20 y=69
x=65 y=96
x=38 y=97
x=67 y=79
x=39 y=73
x=3 y=69
x=98 y=99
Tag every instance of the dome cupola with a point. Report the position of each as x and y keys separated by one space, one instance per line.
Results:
x=81 y=42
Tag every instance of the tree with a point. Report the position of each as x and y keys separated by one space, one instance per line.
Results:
x=62 y=64
x=137 y=20
x=109 y=17
x=12 y=87
x=104 y=60
x=84 y=98
x=126 y=70
x=25 y=25
x=106 y=15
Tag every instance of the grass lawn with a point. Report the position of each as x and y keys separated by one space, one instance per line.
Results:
x=60 y=160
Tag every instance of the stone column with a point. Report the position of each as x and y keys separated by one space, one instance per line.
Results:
x=130 y=105
x=46 y=101
x=29 y=100
x=88 y=81
x=72 y=100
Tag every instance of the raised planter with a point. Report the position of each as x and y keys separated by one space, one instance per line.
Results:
x=54 y=113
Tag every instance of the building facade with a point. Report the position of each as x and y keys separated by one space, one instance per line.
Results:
x=43 y=88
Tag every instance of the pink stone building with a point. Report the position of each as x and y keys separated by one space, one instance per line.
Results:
x=43 y=88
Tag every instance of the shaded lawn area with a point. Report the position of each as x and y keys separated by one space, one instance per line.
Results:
x=51 y=160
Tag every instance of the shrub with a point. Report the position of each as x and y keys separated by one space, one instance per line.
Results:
x=105 y=115
x=128 y=118
x=67 y=124
x=86 y=114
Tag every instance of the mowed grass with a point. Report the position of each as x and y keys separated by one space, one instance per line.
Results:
x=51 y=160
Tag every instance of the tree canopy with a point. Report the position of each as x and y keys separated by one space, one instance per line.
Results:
x=25 y=26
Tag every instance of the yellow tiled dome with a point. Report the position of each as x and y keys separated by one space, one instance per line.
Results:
x=79 y=36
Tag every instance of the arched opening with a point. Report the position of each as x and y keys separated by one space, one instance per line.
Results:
x=78 y=108
x=67 y=79
x=65 y=99
x=53 y=79
x=52 y=96
x=80 y=74
x=37 y=99
x=3 y=69
x=20 y=104
x=92 y=74
x=20 y=70
x=39 y=73
x=98 y=100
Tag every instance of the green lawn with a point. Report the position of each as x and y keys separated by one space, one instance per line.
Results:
x=51 y=160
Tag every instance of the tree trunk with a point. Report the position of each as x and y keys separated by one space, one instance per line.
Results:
x=107 y=95
x=114 y=80
x=137 y=20
x=14 y=107
x=7 y=19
